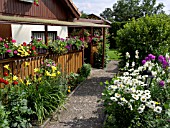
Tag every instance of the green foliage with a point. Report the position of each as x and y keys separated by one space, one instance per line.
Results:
x=125 y=10
x=16 y=106
x=85 y=70
x=3 y=117
x=150 y=34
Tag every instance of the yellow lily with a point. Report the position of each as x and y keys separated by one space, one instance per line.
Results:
x=58 y=72
x=15 y=78
x=47 y=73
x=28 y=82
x=54 y=68
x=7 y=66
x=27 y=64
x=53 y=74
x=36 y=70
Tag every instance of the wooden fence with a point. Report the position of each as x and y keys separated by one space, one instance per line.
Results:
x=69 y=62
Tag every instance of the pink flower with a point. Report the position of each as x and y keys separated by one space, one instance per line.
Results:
x=9 y=50
x=1 y=39
x=15 y=52
x=13 y=41
x=6 y=46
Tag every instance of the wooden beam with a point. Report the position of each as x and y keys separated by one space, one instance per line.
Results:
x=46 y=34
x=83 y=47
x=104 y=41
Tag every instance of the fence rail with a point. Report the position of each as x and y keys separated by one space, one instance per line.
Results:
x=69 y=62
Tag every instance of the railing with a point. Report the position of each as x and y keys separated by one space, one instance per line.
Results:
x=69 y=62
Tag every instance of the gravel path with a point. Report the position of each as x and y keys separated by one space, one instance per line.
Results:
x=82 y=108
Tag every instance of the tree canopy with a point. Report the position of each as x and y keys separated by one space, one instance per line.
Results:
x=125 y=10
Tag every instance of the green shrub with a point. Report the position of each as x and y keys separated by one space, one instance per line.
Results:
x=150 y=34
x=85 y=70
x=3 y=117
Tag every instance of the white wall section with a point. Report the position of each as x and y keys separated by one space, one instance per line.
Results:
x=22 y=33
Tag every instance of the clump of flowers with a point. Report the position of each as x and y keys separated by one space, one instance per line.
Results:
x=36 y=2
x=132 y=102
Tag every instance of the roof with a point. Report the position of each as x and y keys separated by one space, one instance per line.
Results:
x=89 y=20
x=99 y=17
x=73 y=8
x=35 y=21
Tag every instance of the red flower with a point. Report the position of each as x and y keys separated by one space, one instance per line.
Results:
x=13 y=41
x=15 y=83
x=5 y=74
x=33 y=48
x=24 y=44
x=1 y=80
x=6 y=82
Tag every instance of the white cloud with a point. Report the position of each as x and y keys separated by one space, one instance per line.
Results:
x=98 y=6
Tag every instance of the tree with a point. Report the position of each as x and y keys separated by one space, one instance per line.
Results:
x=84 y=15
x=125 y=10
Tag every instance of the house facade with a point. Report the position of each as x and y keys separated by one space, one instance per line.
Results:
x=59 y=10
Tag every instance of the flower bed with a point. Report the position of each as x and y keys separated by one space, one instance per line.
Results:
x=136 y=100
x=28 y=102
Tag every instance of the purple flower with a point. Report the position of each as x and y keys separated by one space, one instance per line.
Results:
x=143 y=62
x=68 y=47
x=151 y=57
x=48 y=65
x=147 y=58
x=160 y=58
x=15 y=52
x=9 y=50
x=162 y=83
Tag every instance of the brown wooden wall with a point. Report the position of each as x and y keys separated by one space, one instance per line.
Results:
x=48 y=9
x=5 y=31
x=70 y=62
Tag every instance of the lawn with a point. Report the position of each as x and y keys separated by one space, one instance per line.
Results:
x=113 y=54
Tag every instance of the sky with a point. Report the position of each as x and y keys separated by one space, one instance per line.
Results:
x=98 y=6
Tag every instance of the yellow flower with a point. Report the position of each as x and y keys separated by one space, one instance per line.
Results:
x=28 y=82
x=157 y=103
x=39 y=79
x=7 y=66
x=54 y=68
x=53 y=74
x=69 y=91
x=36 y=70
x=15 y=78
x=58 y=72
x=47 y=73
x=69 y=87
x=27 y=64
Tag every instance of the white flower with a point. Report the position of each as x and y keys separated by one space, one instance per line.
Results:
x=136 y=97
x=130 y=106
x=143 y=98
x=113 y=98
x=117 y=95
x=120 y=103
x=126 y=73
x=133 y=90
x=133 y=64
x=158 y=109
x=124 y=100
x=114 y=87
x=132 y=100
x=116 y=82
x=136 y=52
x=127 y=55
x=154 y=73
x=147 y=92
x=148 y=96
x=127 y=64
x=136 y=56
x=140 y=68
x=140 y=110
x=151 y=104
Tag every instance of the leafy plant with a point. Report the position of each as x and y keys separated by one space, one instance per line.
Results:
x=3 y=117
x=85 y=70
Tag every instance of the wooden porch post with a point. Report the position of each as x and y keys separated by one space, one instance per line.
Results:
x=91 y=49
x=83 y=47
x=104 y=40
x=46 y=34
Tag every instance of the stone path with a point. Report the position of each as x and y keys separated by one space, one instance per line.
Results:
x=82 y=108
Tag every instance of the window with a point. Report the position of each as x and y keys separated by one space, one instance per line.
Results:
x=30 y=1
x=52 y=35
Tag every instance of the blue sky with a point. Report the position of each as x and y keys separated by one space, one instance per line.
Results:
x=98 y=6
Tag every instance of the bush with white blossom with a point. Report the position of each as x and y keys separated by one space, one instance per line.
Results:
x=132 y=102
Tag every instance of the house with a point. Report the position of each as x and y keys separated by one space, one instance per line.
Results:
x=59 y=10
